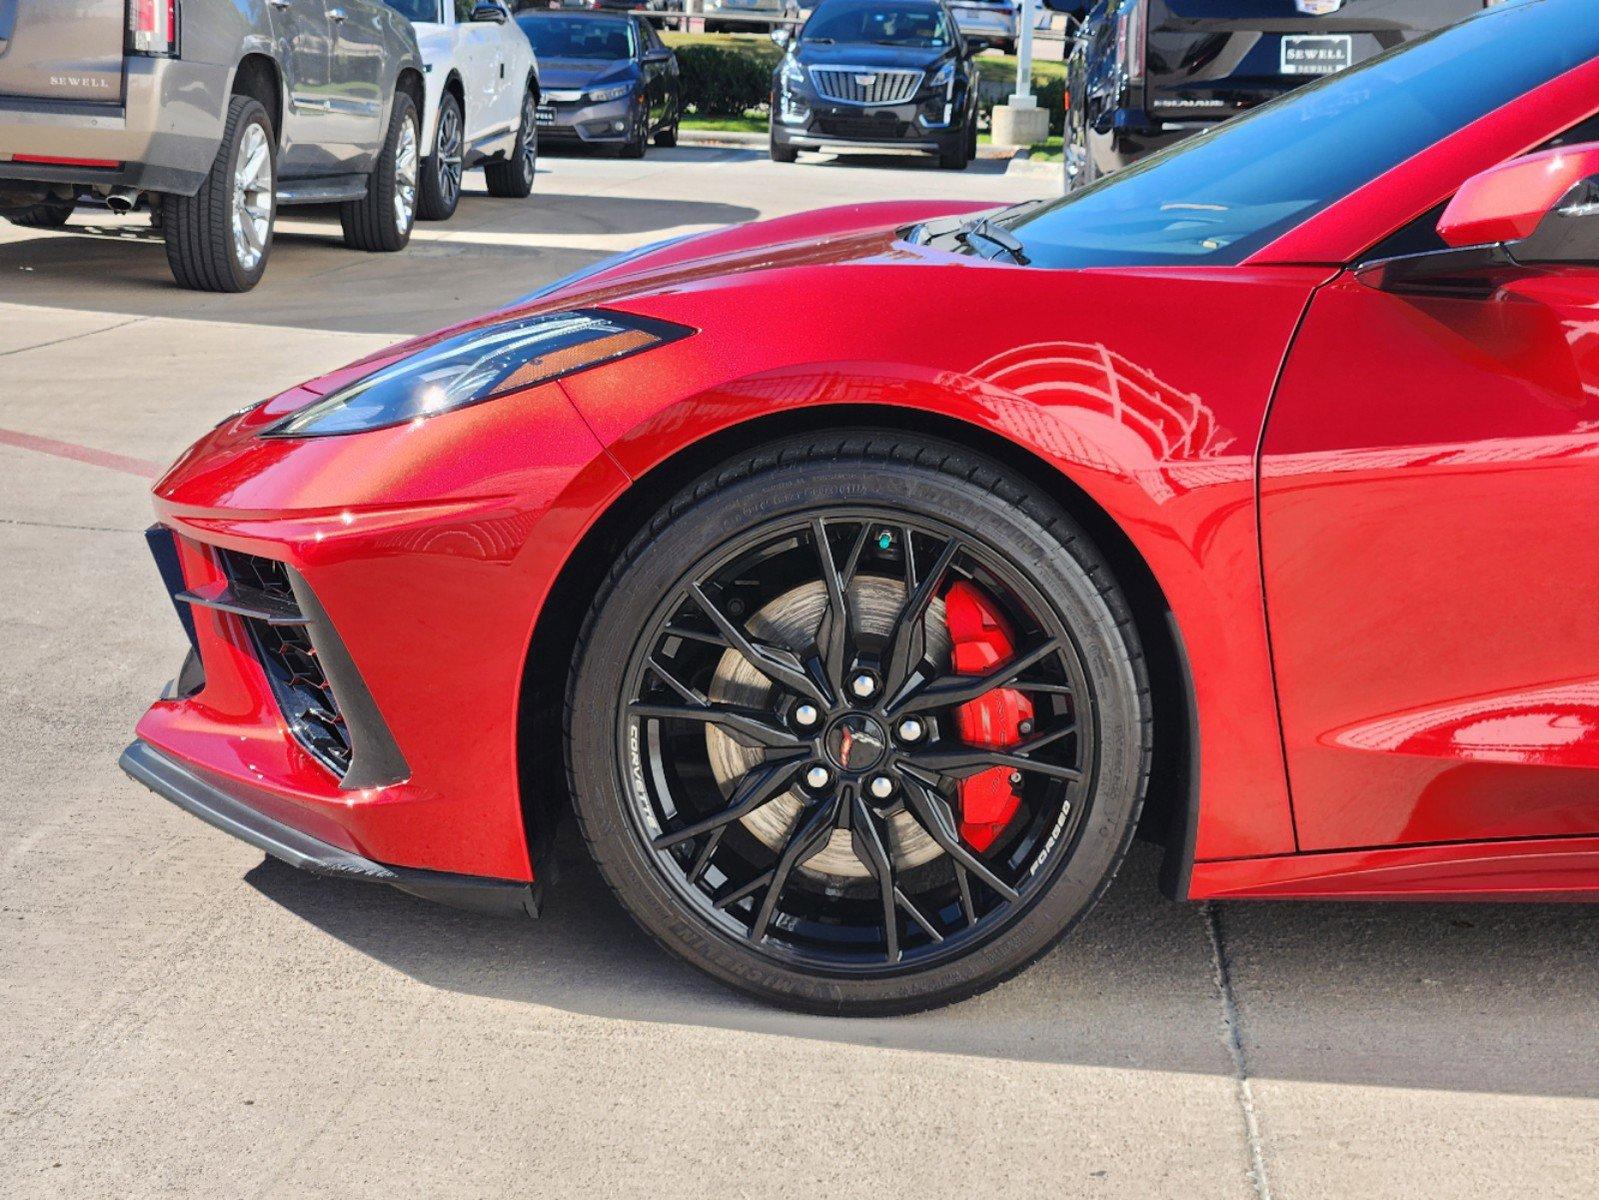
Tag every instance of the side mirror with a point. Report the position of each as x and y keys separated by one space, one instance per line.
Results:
x=1541 y=209
x=782 y=35
x=488 y=13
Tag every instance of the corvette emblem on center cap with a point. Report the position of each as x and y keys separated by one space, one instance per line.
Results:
x=1318 y=8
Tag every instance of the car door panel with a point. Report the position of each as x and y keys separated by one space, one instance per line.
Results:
x=305 y=40
x=1431 y=563
x=357 y=99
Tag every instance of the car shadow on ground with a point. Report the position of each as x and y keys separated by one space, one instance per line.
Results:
x=1135 y=987
x=494 y=252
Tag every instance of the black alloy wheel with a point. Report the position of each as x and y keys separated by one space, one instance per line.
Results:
x=765 y=748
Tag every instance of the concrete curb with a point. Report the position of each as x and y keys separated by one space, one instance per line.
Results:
x=1026 y=168
x=712 y=137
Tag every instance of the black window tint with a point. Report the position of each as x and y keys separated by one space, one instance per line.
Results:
x=1224 y=194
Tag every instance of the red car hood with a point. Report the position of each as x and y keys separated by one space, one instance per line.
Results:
x=847 y=233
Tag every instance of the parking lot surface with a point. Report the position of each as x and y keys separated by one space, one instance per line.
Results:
x=179 y=1016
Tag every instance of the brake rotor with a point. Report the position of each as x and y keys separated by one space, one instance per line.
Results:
x=792 y=621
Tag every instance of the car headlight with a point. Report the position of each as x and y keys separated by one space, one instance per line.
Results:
x=792 y=74
x=943 y=77
x=481 y=364
x=601 y=95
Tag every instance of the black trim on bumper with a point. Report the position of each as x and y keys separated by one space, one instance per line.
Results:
x=230 y=811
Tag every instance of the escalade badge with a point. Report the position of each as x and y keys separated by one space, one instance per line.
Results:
x=865 y=81
x=1318 y=8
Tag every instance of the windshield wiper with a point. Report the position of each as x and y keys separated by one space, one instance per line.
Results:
x=984 y=230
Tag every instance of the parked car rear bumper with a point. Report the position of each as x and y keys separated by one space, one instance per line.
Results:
x=163 y=136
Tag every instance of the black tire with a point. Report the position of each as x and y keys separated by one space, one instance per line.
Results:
x=50 y=213
x=957 y=156
x=202 y=250
x=781 y=153
x=667 y=138
x=441 y=172
x=381 y=221
x=791 y=481
x=637 y=140
x=513 y=178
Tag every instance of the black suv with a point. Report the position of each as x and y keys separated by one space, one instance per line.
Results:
x=890 y=74
x=1147 y=73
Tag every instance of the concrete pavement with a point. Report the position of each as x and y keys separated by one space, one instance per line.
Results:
x=179 y=1016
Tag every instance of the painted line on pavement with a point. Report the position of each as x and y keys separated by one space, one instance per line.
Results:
x=84 y=454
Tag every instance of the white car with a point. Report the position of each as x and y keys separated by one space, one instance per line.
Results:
x=482 y=100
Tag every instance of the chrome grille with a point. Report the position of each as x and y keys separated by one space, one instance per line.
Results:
x=866 y=85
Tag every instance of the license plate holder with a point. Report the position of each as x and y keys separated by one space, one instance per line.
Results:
x=1317 y=53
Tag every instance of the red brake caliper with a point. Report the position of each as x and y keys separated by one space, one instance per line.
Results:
x=982 y=641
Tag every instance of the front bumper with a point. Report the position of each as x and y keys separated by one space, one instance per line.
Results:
x=806 y=121
x=163 y=137
x=431 y=582
x=230 y=807
x=591 y=123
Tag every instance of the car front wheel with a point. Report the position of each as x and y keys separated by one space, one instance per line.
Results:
x=859 y=725
x=513 y=178
x=441 y=173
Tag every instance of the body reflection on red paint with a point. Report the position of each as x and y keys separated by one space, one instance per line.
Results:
x=1372 y=517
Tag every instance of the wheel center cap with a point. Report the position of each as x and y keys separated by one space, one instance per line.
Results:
x=856 y=742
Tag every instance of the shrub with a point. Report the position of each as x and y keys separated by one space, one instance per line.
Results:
x=720 y=80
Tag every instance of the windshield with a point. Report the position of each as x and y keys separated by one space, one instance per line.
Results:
x=879 y=24
x=1220 y=196
x=426 y=11
x=579 y=37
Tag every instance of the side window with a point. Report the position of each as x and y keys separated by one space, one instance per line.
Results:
x=463 y=10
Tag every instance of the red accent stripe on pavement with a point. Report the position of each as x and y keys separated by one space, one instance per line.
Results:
x=83 y=454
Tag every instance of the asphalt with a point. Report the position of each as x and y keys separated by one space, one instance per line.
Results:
x=179 y=1016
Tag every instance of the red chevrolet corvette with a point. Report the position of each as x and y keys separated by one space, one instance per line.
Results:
x=865 y=580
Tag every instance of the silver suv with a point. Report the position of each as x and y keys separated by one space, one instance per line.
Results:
x=212 y=112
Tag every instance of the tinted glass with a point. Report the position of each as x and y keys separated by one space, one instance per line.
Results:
x=880 y=24
x=416 y=10
x=579 y=37
x=1224 y=194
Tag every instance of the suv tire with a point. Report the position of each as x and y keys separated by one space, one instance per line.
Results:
x=50 y=213
x=205 y=249
x=513 y=178
x=441 y=173
x=382 y=220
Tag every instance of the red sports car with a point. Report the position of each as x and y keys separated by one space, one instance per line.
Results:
x=866 y=580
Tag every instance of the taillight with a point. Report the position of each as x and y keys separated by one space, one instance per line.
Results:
x=1131 y=22
x=152 y=27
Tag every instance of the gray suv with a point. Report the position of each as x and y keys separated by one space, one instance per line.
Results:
x=214 y=113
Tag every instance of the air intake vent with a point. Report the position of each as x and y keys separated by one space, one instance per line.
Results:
x=298 y=680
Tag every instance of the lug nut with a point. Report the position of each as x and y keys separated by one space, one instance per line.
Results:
x=806 y=715
x=1025 y=727
x=882 y=787
x=911 y=730
x=864 y=686
x=1015 y=777
x=817 y=778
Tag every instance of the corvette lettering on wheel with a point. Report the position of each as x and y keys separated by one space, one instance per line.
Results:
x=1232 y=502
